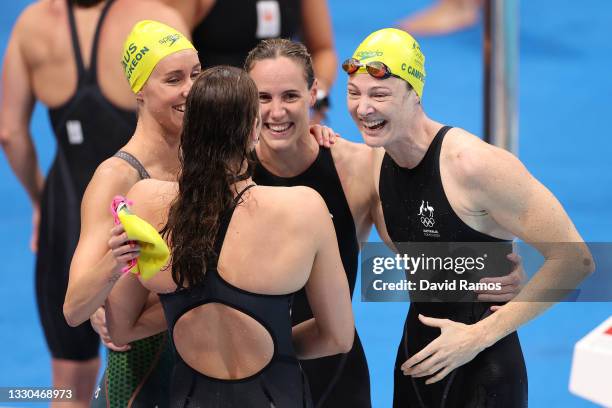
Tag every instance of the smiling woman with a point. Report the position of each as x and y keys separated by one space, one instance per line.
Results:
x=160 y=74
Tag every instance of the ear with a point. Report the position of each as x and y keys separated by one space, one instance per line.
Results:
x=313 y=92
x=139 y=97
x=256 y=130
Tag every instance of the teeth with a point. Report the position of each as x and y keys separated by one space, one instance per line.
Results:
x=374 y=123
x=180 y=108
x=279 y=127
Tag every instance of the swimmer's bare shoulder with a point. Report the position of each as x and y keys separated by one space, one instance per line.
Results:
x=151 y=200
x=300 y=209
x=34 y=25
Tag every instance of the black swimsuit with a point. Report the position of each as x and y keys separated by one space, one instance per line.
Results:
x=341 y=380
x=229 y=31
x=496 y=377
x=279 y=384
x=88 y=129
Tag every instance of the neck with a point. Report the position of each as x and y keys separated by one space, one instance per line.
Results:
x=409 y=149
x=156 y=149
x=290 y=161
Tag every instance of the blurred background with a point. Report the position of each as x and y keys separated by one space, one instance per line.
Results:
x=565 y=97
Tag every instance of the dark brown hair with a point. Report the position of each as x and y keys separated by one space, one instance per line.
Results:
x=280 y=47
x=220 y=113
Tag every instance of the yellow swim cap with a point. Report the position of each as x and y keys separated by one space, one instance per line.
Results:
x=147 y=44
x=154 y=252
x=398 y=51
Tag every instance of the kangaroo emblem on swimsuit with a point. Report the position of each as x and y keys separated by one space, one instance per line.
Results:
x=422 y=207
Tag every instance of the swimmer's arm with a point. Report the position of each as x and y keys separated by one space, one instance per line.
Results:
x=318 y=38
x=191 y=11
x=332 y=329
x=132 y=312
x=94 y=270
x=502 y=186
x=376 y=211
x=17 y=103
x=522 y=205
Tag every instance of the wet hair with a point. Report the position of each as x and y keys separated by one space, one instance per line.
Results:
x=86 y=3
x=220 y=113
x=280 y=47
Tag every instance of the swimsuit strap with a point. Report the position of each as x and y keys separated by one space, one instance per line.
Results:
x=133 y=161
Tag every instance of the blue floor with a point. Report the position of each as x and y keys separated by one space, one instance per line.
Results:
x=565 y=96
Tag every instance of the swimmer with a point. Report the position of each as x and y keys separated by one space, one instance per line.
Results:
x=239 y=253
x=454 y=355
x=160 y=64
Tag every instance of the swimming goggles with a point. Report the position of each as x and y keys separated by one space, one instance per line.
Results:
x=377 y=69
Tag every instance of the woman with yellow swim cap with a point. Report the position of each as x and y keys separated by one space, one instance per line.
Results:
x=160 y=64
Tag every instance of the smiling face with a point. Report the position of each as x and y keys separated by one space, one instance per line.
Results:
x=165 y=92
x=284 y=100
x=383 y=109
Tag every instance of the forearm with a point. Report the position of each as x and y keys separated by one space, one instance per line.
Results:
x=309 y=342
x=89 y=290
x=21 y=156
x=150 y=323
x=555 y=279
x=324 y=65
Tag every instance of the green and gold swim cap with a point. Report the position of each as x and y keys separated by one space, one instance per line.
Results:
x=148 y=43
x=399 y=51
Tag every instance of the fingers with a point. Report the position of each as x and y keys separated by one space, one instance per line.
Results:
x=439 y=376
x=126 y=253
x=429 y=350
x=433 y=322
x=112 y=346
x=428 y=367
x=494 y=308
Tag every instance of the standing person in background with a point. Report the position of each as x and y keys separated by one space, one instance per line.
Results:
x=226 y=30
x=444 y=17
x=65 y=53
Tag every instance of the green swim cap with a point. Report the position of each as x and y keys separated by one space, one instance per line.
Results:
x=147 y=44
x=399 y=51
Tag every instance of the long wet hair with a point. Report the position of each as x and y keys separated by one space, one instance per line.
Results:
x=280 y=47
x=220 y=113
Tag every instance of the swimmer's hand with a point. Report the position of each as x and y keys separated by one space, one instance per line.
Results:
x=457 y=345
x=324 y=135
x=122 y=248
x=511 y=284
x=98 y=322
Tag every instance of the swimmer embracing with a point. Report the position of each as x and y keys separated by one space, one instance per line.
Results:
x=463 y=355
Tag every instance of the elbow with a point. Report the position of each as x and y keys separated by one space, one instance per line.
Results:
x=346 y=343
x=585 y=264
x=71 y=315
x=343 y=341
x=5 y=138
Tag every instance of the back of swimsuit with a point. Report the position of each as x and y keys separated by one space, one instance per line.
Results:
x=277 y=383
x=88 y=129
